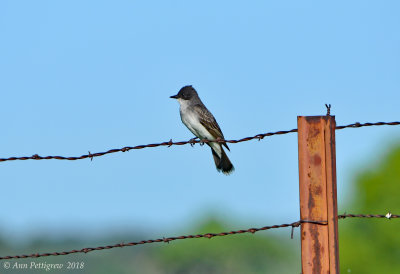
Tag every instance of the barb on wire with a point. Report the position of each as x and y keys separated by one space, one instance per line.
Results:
x=165 y=240
x=328 y=109
x=191 y=142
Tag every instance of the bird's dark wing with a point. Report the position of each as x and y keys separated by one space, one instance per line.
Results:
x=209 y=122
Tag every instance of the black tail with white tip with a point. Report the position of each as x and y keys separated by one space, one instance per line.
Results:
x=223 y=164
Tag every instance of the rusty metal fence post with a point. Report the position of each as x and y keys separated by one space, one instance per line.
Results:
x=318 y=202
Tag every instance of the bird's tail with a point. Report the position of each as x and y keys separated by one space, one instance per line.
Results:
x=223 y=164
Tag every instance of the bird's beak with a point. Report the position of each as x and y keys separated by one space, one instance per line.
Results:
x=174 y=96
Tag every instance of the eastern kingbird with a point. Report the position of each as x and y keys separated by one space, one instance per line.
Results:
x=203 y=125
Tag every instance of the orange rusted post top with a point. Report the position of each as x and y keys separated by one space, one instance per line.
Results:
x=318 y=202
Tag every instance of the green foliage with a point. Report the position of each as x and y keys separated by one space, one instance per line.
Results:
x=373 y=245
x=233 y=254
x=262 y=252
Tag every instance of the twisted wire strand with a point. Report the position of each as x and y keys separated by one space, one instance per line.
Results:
x=165 y=240
x=196 y=236
x=387 y=216
x=191 y=142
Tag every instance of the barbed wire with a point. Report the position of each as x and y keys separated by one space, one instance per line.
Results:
x=191 y=142
x=165 y=240
x=197 y=236
x=358 y=125
x=387 y=216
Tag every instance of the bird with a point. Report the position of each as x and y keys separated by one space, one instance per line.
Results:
x=200 y=121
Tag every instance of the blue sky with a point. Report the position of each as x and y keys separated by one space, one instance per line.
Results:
x=79 y=76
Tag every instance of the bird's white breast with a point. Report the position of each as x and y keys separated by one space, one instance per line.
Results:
x=190 y=119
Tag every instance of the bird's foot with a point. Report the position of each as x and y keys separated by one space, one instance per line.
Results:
x=192 y=141
x=202 y=141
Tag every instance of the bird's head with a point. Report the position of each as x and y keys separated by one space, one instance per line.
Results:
x=185 y=93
